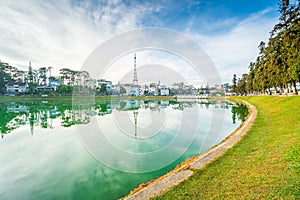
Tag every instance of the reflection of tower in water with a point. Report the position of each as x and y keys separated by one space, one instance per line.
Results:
x=135 y=115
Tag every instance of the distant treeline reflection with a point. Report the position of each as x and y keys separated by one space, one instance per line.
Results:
x=240 y=112
x=42 y=114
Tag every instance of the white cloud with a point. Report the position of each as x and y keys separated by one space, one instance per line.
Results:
x=64 y=33
x=58 y=33
x=153 y=66
x=234 y=50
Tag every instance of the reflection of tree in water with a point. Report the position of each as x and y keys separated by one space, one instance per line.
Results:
x=135 y=116
x=127 y=105
x=76 y=114
x=183 y=105
x=13 y=115
x=205 y=104
x=4 y=119
x=42 y=114
x=67 y=118
x=122 y=105
x=225 y=105
x=44 y=118
x=33 y=119
x=239 y=111
x=14 y=123
x=103 y=108
x=11 y=119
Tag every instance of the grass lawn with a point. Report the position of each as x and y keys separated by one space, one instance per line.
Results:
x=265 y=164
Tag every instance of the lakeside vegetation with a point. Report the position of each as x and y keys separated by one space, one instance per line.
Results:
x=265 y=164
x=277 y=67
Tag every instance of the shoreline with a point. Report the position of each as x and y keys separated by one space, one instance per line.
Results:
x=70 y=98
x=185 y=169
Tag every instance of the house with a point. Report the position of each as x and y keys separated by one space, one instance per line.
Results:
x=54 y=84
x=103 y=81
x=204 y=90
x=92 y=83
x=45 y=88
x=145 y=89
x=14 y=87
x=15 y=108
x=126 y=89
x=153 y=89
x=164 y=103
x=110 y=89
x=164 y=91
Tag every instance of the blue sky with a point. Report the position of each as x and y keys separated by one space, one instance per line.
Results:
x=63 y=33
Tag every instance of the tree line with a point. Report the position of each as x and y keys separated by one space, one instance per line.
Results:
x=67 y=78
x=277 y=67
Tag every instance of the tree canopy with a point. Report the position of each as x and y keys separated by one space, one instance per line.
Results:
x=278 y=63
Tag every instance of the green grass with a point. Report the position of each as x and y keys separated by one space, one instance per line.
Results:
x=265 y=164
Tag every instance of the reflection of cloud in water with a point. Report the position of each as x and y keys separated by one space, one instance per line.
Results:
x=54 y=158
x=165 y=127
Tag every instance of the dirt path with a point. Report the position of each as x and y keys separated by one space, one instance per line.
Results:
x=182 y=172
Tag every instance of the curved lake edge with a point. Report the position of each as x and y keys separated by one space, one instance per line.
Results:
x=185 y=169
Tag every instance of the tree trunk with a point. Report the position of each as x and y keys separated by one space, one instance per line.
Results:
x=286 y=89
x=294 y=87
x=281 y=90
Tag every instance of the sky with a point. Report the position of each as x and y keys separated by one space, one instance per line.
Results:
x=64 y=33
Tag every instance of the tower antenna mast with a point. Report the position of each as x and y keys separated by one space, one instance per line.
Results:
x=135 y=79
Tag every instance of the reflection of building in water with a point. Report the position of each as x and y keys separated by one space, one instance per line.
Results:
x=128 y=105
x=41 y=115
x=183 y=105
x=135 y=115
x=15 y=108
x=80 y=113
x=153 y=105
x=164 y=103
x=125 y=105
x=54 y=113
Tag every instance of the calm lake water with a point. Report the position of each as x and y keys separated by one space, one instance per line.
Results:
x=104 y=149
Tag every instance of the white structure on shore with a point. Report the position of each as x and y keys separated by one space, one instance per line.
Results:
x=14 y=87
x=164 y=90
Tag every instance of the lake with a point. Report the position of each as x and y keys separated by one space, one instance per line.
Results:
x=103 y=149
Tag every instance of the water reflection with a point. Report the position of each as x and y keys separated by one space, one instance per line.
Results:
x=240 y=112
x=55 y=164
x=41 y=114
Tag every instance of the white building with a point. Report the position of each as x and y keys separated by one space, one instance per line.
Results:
x=164 y=91
x=153 y=89
x=92 y=83
x=103 y=81
x=13 y=87
x=128 y=89
x=109 y=87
